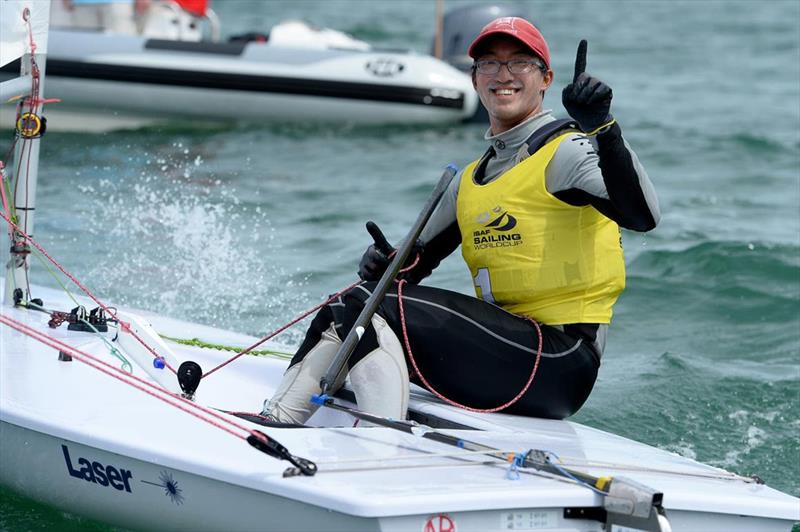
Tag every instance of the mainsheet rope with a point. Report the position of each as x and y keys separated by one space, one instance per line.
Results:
x=441 y=396
x=283 y=328
x=400 y=283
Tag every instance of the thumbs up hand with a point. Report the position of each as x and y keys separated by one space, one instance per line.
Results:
x=377 y=257
x=587 y=99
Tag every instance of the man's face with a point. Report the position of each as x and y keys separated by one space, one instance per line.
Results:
x=510 y=98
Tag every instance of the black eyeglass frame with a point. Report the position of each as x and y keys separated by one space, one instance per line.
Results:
x=476 y=66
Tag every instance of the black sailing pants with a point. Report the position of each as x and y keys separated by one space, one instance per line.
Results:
x=473 y=352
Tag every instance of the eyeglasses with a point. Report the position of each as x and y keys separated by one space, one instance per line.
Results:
x=516 y=66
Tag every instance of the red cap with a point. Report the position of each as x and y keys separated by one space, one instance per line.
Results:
x=516 y=27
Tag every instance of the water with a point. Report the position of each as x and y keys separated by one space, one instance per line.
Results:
x=243 y=227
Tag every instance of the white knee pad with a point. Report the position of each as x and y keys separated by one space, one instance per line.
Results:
x=291 y=402
x=380 y=379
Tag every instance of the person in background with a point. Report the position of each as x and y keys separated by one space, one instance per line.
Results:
x=198 y=8
x=538 y=219
x=113 y=16
x=179 y=20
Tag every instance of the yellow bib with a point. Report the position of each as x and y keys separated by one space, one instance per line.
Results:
x=533 y=254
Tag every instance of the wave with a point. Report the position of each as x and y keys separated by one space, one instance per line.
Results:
x=751 y=143
x=730 y=422
x=726 y=267
x=158 y=244
x=718 y=309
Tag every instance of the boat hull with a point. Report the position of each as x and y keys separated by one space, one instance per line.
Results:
x=155 y=497
x=37 y=466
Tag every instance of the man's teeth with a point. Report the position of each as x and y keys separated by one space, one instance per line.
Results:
x=505 y=92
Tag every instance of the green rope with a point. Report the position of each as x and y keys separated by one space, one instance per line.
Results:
x=55 y=276
x=196 y=342
x=126 y=365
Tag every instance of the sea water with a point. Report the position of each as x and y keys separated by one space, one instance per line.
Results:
x=245 y=226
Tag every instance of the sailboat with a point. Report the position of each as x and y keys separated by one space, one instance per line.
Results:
x=104 y=414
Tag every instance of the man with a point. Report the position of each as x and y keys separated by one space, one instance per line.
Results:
x=537 y=218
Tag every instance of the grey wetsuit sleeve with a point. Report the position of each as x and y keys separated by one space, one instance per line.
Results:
x=604 y=172
x=445 y=213
x=441 y=235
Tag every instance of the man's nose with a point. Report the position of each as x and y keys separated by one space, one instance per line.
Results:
x=504 y=75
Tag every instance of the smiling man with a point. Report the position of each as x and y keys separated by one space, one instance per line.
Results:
x=510 y=76
x=538 y=219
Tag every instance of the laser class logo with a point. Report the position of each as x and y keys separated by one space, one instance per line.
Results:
x=498 y=220
x=98 y=473
x=170 y=487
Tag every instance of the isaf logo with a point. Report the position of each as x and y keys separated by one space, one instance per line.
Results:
x=504 y=222
x=499 y=220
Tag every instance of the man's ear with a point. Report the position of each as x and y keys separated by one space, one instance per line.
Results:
x=548 y=79
x=474 y=84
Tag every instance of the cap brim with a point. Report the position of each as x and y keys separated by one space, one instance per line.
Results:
x=473 y=48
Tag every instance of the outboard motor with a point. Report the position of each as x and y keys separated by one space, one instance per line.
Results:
x=460 y=27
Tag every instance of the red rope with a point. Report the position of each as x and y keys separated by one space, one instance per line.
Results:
x=26 y=16
x=29 y=143
x=33 y=102
x=85 y=290
x=411 y=266
x=301 y=317
x=281 y=329
x=441 y=396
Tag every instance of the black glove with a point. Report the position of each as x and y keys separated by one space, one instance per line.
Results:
x=587 y=99
x=377 y=257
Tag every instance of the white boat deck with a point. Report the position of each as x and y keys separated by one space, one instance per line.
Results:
x=364 y=472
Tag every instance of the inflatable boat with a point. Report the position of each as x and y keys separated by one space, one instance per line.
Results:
x=99 y=75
